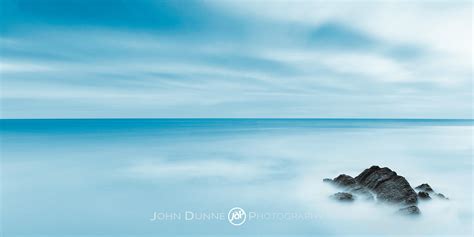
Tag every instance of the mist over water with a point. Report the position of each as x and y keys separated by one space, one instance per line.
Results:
x=108 y=177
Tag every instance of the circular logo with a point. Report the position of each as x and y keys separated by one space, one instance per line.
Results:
x=237 y=216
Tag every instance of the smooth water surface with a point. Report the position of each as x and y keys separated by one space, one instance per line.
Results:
x=107 y=177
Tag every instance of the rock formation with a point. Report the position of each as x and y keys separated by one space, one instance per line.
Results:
x=440 y=195
x=424 y=196
x=426 y=188
x=410 y=210
x=387 y=187
x=342 y=196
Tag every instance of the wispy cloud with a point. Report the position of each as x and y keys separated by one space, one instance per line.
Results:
x=236 y=59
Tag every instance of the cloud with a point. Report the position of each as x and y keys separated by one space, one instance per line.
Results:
x=18 y=67
x=441 y=25
x=331 y=35
x=310 y=59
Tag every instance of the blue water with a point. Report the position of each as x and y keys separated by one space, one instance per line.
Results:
x=107 y=177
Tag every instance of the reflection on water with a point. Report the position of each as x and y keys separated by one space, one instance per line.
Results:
x=109 y=177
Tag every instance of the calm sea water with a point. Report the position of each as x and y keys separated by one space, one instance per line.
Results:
x=107 y=177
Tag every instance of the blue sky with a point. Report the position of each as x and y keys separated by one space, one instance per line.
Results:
x=210 y=58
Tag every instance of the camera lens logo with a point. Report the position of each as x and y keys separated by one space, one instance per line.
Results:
x=237 y=216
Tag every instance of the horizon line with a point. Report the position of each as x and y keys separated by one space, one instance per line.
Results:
x=209 y=118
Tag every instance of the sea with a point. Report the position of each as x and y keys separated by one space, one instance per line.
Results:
x=227 y=177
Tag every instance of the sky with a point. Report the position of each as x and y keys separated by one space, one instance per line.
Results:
x=219 y=59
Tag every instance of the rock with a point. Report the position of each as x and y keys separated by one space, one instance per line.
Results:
x=440 y=195
x=387 y=185
x=349 y=183
x=410 y=210
x=341 y=196
x=363 y=192
x=424 y=188
x=424 y=195
x=344 y=180
x=327 y=180
x=374 y=175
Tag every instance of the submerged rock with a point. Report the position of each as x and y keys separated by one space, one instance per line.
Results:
x=424 y=195
x=424 y=188
x=362 y=192
x=440 y=195
x=350 y=186
x=342 y=196
x=328 y=180
x=410 y=210
x=428 y=189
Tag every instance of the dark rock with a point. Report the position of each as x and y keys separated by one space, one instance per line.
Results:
x=424 y=195
x=387 y=185
x=374 y=176
x=362 y=192
x=440 y=195
x=424 y=188
x=341 y=196
x=410 y=210
x=365 y=173
x=327 y=180
x=344 y=180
